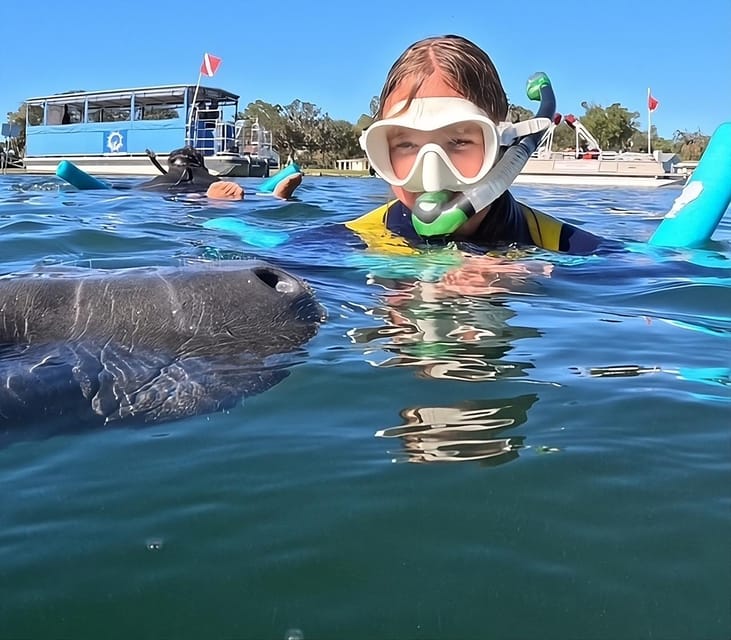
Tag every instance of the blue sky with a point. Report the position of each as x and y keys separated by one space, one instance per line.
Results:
x=336 y=53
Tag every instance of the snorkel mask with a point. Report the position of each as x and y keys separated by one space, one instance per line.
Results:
x=448 y=197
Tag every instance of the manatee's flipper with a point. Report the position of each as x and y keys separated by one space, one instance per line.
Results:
x=111 y=375
x=38 y=382
x=151 y=386
x=196 y=385
x=84 y=384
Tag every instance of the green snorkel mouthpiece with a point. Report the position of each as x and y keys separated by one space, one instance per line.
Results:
x=440 y=213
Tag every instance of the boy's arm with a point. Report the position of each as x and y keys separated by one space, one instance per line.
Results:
x=226 y=190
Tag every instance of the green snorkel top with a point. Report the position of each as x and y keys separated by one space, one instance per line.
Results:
x=440 y=213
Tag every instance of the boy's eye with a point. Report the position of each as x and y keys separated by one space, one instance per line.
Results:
x=462 y=142
x=403 y=145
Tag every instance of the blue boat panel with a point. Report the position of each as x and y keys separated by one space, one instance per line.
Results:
x=105 y=137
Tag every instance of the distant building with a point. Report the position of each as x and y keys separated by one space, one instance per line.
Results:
x=353 y=164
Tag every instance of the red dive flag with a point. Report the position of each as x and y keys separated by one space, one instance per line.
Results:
x=652 y=103
x=210 y=64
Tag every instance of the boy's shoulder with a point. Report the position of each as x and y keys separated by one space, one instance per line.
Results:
x=386 y=228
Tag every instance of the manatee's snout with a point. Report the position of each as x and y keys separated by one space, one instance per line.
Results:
x=301 y=298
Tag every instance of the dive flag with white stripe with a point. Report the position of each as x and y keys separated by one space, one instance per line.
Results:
x=210 y=64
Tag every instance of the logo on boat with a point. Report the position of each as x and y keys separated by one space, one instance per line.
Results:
x=115 y=142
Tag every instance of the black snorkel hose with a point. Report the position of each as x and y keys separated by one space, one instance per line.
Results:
x=439 y=213
x=153 y=158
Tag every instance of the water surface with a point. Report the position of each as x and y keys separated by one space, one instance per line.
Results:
x=538 y=448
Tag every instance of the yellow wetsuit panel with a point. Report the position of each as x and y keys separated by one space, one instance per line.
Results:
x=544 y=230
x=388 y=229
x=372 y=229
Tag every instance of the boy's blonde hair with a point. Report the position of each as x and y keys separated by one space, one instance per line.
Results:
x=466 y=68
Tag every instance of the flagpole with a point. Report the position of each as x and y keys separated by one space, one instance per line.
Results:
x=192 y=106
x=649 y=123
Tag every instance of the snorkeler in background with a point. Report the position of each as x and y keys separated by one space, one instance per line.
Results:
x=187 y=173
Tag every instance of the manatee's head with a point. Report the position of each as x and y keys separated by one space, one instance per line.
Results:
x=249 y=306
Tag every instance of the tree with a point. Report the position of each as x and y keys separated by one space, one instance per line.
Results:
x=638 y=142
x=337 y=139
x=35 y=116
x=363 y=123
x=516 y=113
x=613 y=127
x=564 y=138
x=375 y=106
x=688 y=145
x=268 y=115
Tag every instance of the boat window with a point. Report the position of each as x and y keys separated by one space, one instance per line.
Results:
x=158 y=111
x=35 y=114
x=54 y=113
x=109 y=109
x=65 y=113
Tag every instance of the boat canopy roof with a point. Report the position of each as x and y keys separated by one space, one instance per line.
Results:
x=159 y=94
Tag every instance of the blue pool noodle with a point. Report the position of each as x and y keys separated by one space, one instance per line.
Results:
x=697 y=211
x=269 y=185
x=69 y=172
x=248 y=233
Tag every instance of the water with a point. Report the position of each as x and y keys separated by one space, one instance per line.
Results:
x=537 y=449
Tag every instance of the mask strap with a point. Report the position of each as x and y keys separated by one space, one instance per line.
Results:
x=510 y=132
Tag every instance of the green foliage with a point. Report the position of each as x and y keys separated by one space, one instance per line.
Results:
x=303 y=130
x=517 y=113
x=564 y=138
x=375 y=106
x=688 y=145
x=18 y=117
x=613 y=127
x=638 y=142
x=363 y=123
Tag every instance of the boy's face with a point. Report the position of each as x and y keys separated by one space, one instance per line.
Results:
x=463 y=142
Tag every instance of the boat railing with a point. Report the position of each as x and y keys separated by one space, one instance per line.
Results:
x=210 y=134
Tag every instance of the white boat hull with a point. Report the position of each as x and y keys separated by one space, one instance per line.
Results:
x=140 y=165
x=597 y=180
x=597 y=173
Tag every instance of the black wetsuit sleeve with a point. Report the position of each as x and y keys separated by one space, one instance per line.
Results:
x=503 y=224
x=510 y=222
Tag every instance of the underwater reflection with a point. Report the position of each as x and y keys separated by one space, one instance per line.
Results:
x=718 y=376
x=456 y=328
x=471 y=430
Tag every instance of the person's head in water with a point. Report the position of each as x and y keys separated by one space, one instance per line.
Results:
x=440 y=116
x=186 y=157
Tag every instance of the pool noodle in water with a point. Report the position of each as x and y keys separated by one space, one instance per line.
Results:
x=69 y=172
x=697 y=211
x=248 y=233
x=269 y=185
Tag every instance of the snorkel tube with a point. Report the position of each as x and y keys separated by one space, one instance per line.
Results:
x=440 y=213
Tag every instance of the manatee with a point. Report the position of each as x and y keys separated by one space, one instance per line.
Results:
x=146 y=344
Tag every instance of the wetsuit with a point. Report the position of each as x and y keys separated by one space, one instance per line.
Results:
x=389 y=227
